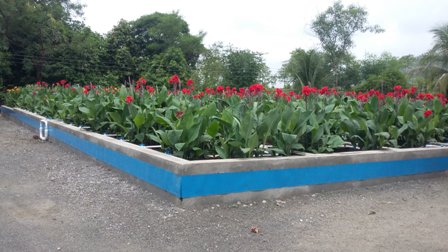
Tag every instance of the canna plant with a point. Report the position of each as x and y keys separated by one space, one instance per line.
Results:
x=249 y=122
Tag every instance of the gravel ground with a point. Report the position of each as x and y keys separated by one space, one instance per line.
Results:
x=55 y=199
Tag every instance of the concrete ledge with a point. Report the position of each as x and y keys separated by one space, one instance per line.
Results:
x=228 y=180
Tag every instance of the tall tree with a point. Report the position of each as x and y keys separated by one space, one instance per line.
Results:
x=243 y=67
x=439 y=59
x=335 y=29
x=134 y=45
x=431 y=69
x=305 y=68
x=30 y=31
x=230 y=66
x=211 y=68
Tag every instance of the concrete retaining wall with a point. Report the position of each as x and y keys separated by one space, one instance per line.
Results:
x=243 y=179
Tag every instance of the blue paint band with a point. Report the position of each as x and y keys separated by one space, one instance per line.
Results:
x=225 y=183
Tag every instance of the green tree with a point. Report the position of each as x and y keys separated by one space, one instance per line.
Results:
x=350 y=74
x=384 y=72
x=157 y=32
x=225 y=65
x=304 y=68
x=243 y=67
x=438 y=59
x=138 y=46
x=335 y=29
x=166 y=64
x=31 y=32
x=211 y=67
x=121 y=52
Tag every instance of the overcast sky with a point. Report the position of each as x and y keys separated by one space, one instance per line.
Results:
x=276 y=28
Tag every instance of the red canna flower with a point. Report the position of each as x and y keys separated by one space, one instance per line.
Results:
x=306 y=90
x=174 y=79
x=150 y=89
x=219 y=89
x=256 y=88
x=179 y=114
x=397 y=88
x=189 y=82
x=323 y=90
x=129 y=99
x=186 y=91
x=420 y=96
x=427 y=113
x=141 y=81
x=429 y=96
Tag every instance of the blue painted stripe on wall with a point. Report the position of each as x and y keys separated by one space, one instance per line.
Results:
x=224 y=183
x=25 y=119
x=147 y=172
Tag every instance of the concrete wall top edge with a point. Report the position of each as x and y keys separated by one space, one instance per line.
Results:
x=269 y=163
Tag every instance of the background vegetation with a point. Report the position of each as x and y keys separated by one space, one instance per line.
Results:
x=46 y=41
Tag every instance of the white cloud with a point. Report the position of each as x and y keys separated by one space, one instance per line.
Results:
x=278 y=27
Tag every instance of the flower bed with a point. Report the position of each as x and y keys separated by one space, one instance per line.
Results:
x=225 y=122
x=225 y=180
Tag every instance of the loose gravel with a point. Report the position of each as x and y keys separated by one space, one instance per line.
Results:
x=55 y=199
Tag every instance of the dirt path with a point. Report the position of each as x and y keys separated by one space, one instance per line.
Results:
x=52 y=198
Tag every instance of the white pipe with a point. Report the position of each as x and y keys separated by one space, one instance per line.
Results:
x=43 y=129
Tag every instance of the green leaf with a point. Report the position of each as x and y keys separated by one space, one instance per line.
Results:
x=84 y=110
x=277 y=150
x=139 y=120
x=154 y=138
x=335 y=141
x=193 y=133
x=289 y=139
x=316 y=134
x=438 y=107
x=140 y=137
x=221 y=152
x=246 y=150
x=253 y=141
x=213 y=128
x=386 y=135
x=329 y=108
x=164 y=121
x=173 y=136
x=179 y=146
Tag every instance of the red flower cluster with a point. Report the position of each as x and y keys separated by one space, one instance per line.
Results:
x=256 y=88
x=186 y=91
x=129 y=99
x=306 y=90
x=150 y=89
x=189 y=82
x=279 y=93
x=141 y=81
x=427 y=113
x=174 y=79
x=199 y=95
